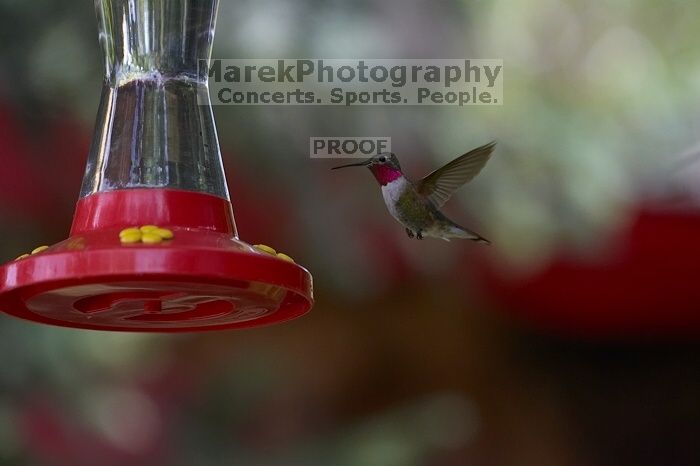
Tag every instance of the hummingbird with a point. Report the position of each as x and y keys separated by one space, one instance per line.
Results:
x=416 y=205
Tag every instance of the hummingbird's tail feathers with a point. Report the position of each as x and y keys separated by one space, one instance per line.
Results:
x=460 y=232
x=481 y=239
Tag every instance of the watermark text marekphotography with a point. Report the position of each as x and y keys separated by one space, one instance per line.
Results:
x=348 y=147
x=351 y=82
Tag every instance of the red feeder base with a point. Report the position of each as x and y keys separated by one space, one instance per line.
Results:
x=202 y=279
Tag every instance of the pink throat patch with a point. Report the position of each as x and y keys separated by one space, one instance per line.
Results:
x=385 y=174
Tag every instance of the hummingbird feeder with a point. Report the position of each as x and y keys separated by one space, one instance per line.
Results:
x=153 y=246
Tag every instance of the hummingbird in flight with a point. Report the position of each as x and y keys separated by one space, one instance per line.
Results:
x=416 y=205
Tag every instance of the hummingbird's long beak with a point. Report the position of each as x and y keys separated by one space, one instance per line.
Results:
x=360 y=164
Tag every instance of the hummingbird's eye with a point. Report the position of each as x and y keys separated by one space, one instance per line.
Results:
x=382 y=159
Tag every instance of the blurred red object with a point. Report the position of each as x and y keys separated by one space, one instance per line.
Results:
x=40 y=176
x=17 y=191
x=646 y=285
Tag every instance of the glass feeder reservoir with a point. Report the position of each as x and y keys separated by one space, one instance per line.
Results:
x=153 y=245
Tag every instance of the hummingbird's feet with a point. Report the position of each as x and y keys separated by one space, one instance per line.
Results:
x=418 y=234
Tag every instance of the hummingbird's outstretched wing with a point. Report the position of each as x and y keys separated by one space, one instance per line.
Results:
x=439 y=185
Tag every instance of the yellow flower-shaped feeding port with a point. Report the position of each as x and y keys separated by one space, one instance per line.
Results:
x=265 y=248
x=271 y=251
x=147 y=234
x=34 y=251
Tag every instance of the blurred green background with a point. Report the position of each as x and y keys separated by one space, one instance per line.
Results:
x=409 y=357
